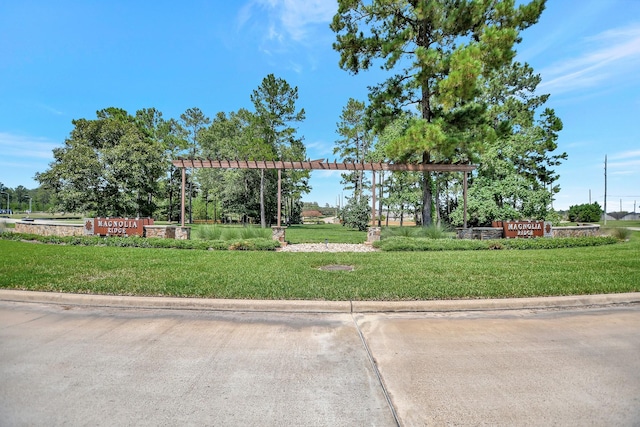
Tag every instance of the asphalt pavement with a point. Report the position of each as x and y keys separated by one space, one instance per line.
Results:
x=89 y=360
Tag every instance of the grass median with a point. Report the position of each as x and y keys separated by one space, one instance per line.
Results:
x=277 y=275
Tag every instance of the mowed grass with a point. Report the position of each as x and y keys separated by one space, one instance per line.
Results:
x=279 y=275
x=332 y=233
x=298 y=233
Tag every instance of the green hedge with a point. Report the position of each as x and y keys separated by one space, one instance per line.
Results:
x=423 y=244
x=258 y=244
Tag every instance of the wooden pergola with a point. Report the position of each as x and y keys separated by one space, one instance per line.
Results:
x=321 y=164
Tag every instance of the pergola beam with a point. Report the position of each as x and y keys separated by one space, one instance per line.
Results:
x=320 y=165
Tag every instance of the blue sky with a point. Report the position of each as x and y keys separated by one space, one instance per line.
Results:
x=65 y=60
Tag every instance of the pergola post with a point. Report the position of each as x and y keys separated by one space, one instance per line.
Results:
x=279 y=196
x=182 y=210
x=464 y=197
x=373 y=194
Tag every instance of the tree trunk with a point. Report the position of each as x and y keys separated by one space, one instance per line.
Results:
x=387 y=220
x=263 y=221
x=190 y=196
x=427 y=193
x=380 y=198
x=170 y=212
x=438 y=218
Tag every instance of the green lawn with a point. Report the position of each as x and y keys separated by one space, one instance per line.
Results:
x=332 y=233
x=279 y=275
x=617 y=224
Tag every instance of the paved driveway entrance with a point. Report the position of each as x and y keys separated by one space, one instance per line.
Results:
x=76 y=365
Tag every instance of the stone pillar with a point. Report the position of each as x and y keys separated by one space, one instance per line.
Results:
x=183 y=233
x=278 y=233
x=464 y=233
x=373 y=234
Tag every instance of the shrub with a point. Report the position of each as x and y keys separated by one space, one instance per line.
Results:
x=620 y=233
x=585 y=213
x=434 y=232
x=431 y=232
x=208 y=232
x=254 y=245
x=356 y=213
x=424 y=244
x=255 y=233
x=258 y=244
x=230 y=234
x=388 y=232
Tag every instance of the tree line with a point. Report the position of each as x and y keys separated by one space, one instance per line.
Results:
x=120 y=164
x=454 y=94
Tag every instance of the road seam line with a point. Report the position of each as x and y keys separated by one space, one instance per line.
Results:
x=377 y=372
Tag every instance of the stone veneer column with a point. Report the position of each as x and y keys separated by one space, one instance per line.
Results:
x=278 y=233
x=183 y=233
x=373 y=234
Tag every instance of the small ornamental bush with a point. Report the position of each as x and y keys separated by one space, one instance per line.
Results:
x=356 y=213
x=422 y=244
x=259 y=244
x=431 y=232
x=621 y=233
x=254 y=245
x=255 y=233
x=388 y=232
x=212 y=232
x=230 y=234
x=207 y=232
x=585 y=213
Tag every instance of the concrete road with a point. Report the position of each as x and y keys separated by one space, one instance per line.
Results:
x=75 y=365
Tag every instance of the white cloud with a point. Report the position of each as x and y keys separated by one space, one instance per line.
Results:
x=631 y=163
x=297 y=16
x=625 y=155
x=50 y=109
x=286 y=26
x=319 y=149
x=609 y=56
x=23 y=147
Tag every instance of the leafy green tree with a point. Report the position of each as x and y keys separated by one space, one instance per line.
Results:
x=355 y=144
x=232 y=136
x=516 y=173
x=5 y=199
x=170 y=135
x=585 y=212
x=43 y=199
x=357 y=213
x=193 y=122
x=276 y=113
x=109 y=166
x=404 y=193
x=20 y=195
x=441 y=49
x=403 y=187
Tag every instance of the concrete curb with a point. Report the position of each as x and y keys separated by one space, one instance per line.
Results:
x=299 y=306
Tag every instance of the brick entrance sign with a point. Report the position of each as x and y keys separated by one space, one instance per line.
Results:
x=116 y=226
x=524 y=229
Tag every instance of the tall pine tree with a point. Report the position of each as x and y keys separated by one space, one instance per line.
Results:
x=440 y=50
